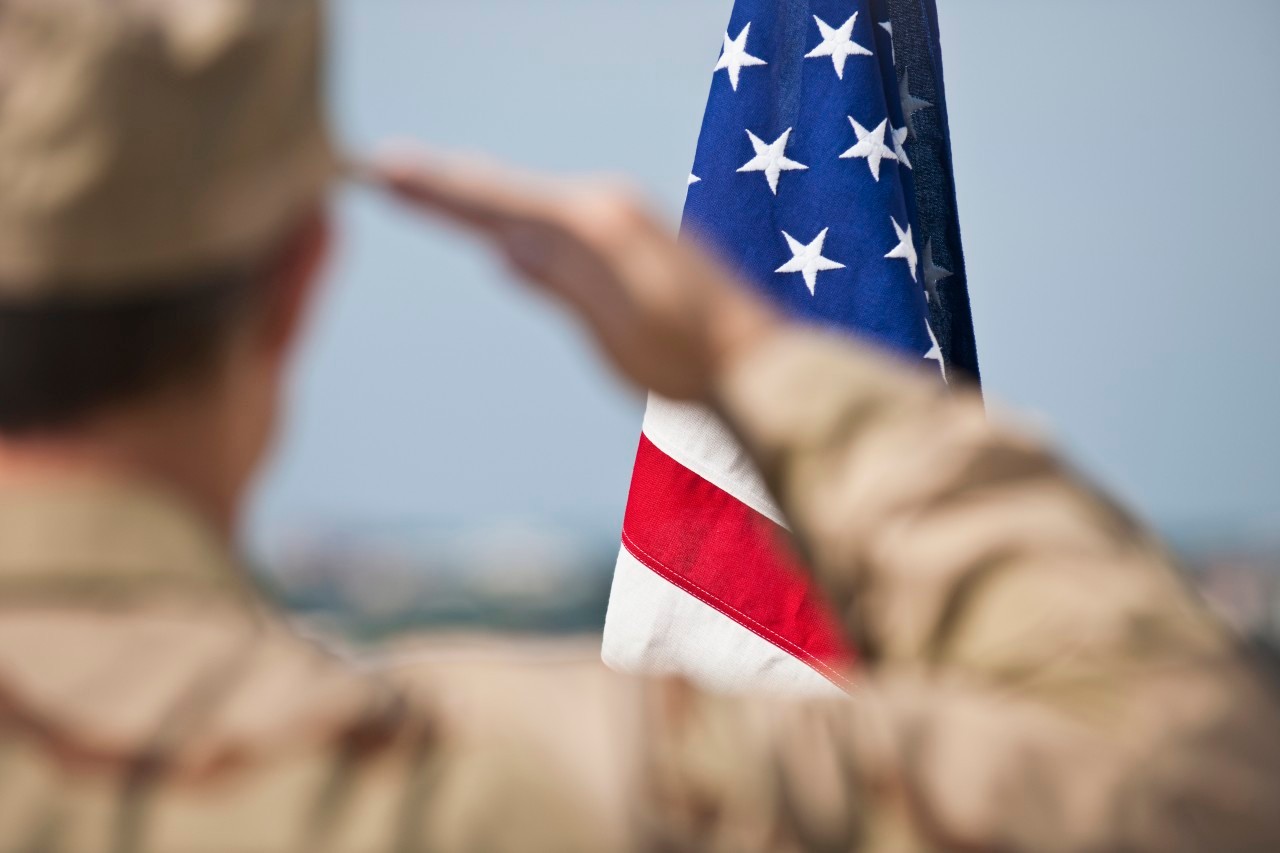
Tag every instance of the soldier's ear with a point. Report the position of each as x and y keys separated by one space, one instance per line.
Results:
x=294 y=281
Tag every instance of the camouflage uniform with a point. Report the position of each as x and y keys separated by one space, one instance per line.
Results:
x=1035 y=675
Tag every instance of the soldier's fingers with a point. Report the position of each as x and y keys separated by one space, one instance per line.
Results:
x=471 y=191
x=577 y=238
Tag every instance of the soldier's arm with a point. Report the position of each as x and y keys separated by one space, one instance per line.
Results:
x=1026 y=644
x=1043 y=677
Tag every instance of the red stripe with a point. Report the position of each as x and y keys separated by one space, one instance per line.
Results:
x=716 y=548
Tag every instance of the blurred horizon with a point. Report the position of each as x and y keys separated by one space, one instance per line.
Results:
x=365 y=586
x=1122 y=290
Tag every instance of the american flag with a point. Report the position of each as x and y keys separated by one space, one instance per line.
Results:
x=823 y=172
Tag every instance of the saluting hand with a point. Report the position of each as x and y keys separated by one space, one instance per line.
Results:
x=670 y=318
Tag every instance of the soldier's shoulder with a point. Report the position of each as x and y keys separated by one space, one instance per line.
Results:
x=198 y=679
x=225 y=723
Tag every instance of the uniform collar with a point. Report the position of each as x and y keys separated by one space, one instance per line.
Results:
x=110 y=537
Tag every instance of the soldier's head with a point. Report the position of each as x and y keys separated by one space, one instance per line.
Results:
x=163 y=171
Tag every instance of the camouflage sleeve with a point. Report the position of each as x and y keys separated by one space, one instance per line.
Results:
x=1040 y=676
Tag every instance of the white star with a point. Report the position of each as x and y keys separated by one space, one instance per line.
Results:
x=906 y=248
x=693 y=179
x=900 y=135
x=933 y=273
x=771 y=159
x=735 y=56
x=935 y=352
x=837 y=44
x=808 y=260
x=871 y=146
x=910 y=103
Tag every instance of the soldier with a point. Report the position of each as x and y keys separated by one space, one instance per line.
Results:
x=1036 y=676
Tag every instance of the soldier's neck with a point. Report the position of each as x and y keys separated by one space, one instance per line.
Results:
x=180 y=445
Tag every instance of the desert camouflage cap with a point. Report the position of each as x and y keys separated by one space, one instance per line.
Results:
x=140 y=139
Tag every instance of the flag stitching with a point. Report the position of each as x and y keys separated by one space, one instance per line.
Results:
x=711 y=599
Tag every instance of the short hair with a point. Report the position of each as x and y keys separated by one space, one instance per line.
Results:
x=65 y=359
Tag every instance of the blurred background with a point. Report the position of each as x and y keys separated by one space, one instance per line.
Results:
x=456 y=456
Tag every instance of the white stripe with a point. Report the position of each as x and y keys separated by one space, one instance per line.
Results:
x=698 y=440
x=655 y=628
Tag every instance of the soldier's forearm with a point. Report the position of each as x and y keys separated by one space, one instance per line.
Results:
x=907 y=499
x=1016 y=624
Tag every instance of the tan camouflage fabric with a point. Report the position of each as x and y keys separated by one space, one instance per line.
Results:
x=1036 y=676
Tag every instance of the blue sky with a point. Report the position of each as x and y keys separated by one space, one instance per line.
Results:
x=1117 y=182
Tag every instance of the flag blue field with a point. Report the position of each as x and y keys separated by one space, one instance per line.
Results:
x=824 y=174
